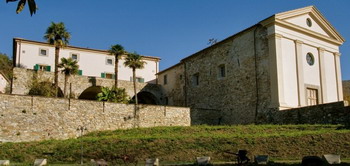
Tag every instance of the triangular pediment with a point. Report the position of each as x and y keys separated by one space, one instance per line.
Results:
x=310 y=20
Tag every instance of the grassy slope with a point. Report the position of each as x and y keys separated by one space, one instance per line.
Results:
x=185 y=143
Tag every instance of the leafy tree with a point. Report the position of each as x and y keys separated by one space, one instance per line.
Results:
x=22 y=3
x=6 y=65
x=118 y=95
x=69 y=67
x=116 y=50
x=57 y=35
x=134 y=61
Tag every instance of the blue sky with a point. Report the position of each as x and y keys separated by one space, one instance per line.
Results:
x=169 y=29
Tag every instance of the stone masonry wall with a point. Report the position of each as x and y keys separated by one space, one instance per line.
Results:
x=332 y=113
x=346 y=90
x=240 y=96
x=23 y=78
x=28 y=118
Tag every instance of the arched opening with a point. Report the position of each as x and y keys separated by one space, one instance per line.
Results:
x=90 y=93
x=44 y=89
x=146 y=98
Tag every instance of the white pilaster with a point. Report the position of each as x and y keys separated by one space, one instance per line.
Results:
x=322 y=71
x=276 y=71
x=338 y=76
x=300 y=73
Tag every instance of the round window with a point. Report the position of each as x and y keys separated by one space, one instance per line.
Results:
x=310 y=59
x=308 y=22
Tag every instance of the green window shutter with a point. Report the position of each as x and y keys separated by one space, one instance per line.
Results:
x=142 y=80
x=80 y=72
x=113 y=76
x=36 y=67
x=48 y=68
x=103 y=75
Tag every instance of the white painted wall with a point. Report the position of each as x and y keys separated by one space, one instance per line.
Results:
x=301 y=21
x=290 y=87
x=330 y=77
x=311 y=73
x=92 y=63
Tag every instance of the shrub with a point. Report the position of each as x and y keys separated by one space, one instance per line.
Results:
x=117 y=95
x=41 y=88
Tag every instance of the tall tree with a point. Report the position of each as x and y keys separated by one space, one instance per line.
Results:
x=69 y=67
x=57 y=35
x=116 y=50
x=22 y=3
x=134 y=61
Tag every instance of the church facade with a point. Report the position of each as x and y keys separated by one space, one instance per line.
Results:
x=288 y=60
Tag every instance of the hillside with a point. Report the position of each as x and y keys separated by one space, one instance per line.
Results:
x=183 y=144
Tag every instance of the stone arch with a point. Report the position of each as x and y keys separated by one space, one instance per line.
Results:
x=90 y=93
x=145 y=97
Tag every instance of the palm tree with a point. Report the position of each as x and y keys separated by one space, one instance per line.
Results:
x=22 y=3
x=116 y=50
x=134 y=61
x=70 y=67
x=57 y=35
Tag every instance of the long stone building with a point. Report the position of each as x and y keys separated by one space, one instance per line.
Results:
x=288 y=60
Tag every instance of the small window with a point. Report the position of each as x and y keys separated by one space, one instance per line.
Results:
x=140 y=79
x=74 y=56
x=43 y=52
x=39 y=67
x=308 y=22
x=109 y=75
x=195 y=79
x=109 y=61
x=222 y=71
x=165 y=79
x=310 y=59
x=180 y=76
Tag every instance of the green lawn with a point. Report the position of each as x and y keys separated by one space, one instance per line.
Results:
x=183 y=144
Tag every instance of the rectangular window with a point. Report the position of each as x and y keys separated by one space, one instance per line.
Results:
x=312 y=96
x=165 y=79
x=222 y=71
x=74 y=56
x=43 y=52
x=195 y=79
x=109 y=75
x=139 y=79
x=39 y=67
x=109 y=61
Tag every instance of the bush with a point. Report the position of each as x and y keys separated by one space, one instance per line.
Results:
x=41 y=88
x=117 y=95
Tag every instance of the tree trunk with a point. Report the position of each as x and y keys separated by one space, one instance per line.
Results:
x=116 y=72
x=65 y=85
x=57 y=53
x=134 y=80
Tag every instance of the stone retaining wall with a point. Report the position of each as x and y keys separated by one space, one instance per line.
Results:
x=23 y=79
x=333 y=113
x=28 y=118
x=346 y=90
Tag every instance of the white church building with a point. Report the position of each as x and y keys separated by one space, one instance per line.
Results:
x=288 y=60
